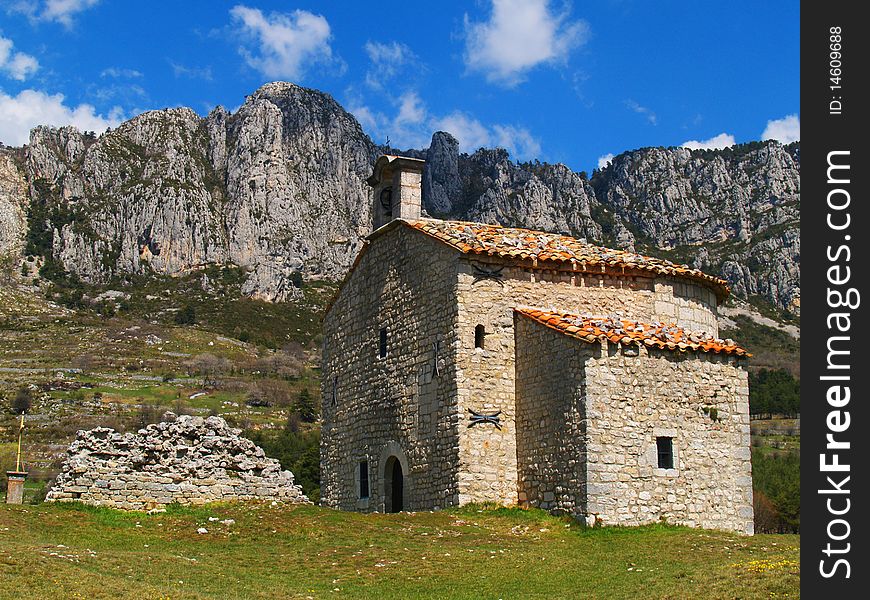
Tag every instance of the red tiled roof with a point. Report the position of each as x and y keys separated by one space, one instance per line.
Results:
x=628 y=332
x=522 y=244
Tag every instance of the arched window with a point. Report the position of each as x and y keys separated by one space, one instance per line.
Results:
x=479 y=335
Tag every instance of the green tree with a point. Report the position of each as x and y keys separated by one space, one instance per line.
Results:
x=306 y=407
x=778 y=478
x=773 y=392
x=186 y=315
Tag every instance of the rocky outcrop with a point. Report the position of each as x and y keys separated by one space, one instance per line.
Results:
x=13 y=202
x=732 y=212
x=188 y=460
x=278 y=188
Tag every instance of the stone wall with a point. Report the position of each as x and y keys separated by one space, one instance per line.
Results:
x=688 y=304
x=605 y=419
x=551 y=443
x=701 y=401
x=430 y=299
x=485 y=377
x=396 y=406
x=190 y=460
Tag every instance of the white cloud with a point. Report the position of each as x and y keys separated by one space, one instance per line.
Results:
x=472 y=134
x=605 y=160
x=18 y=114
x=186 y=72
x=413 y=125
x=288 y=44
x=723 y=140
x=519 y=35
x=407 y=129
x=642 y=110
x=119 y=73
x=387 y=60
x=411 y=109
x=785 y=130
x=62 y=11
x=518 y=140
x=16 y=65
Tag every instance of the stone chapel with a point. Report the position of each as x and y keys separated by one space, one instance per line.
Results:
x=465 y=362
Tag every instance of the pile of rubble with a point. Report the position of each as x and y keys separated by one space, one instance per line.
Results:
x=188 y=460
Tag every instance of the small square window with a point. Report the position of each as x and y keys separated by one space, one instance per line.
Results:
x=363 y=479
x=382 y=346
x=665 y=451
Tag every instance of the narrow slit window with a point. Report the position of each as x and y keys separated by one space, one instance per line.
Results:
x=334 y=389
x=382 y=345
x=479 y=335
x=363 y=479
x=665 y=451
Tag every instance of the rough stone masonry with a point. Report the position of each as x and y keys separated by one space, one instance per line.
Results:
x=616 y=402
x=188 y=460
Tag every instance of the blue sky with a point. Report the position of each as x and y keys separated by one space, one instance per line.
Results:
x=561 y=82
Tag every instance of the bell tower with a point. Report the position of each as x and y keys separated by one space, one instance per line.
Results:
x=398 y=189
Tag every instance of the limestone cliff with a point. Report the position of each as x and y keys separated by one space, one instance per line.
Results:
x=732 y=212
x=13 y=203
x=278 y=188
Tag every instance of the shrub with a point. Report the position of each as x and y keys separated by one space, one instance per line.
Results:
x=297 y=451
x=773 y=392
x=209 y=367
x=22 y=401
x=186 y=315
x=84 y=362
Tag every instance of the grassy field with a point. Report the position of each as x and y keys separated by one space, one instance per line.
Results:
x=73 y=551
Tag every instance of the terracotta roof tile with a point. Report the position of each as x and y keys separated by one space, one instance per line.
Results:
x=628 y=332
x=512 y=242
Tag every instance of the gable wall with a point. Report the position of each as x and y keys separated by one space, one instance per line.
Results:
x=394 y=405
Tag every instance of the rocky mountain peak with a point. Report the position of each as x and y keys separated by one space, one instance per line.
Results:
x=278 y=188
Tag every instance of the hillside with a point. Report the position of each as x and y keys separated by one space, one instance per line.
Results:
x=263 y=551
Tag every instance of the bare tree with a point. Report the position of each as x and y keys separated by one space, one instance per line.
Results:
x=209 y=367
x=84 y=362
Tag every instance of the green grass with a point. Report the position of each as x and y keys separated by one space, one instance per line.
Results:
x=73 y=551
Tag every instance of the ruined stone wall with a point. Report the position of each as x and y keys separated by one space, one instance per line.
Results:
x=485 y=377
x=396 y=406
x=189 y=461
x=624 y=399
x=551 y=447
x=701 y=401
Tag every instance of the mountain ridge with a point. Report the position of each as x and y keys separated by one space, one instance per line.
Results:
x=278 y=189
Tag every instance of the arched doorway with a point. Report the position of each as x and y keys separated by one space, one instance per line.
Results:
x=394 y=486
